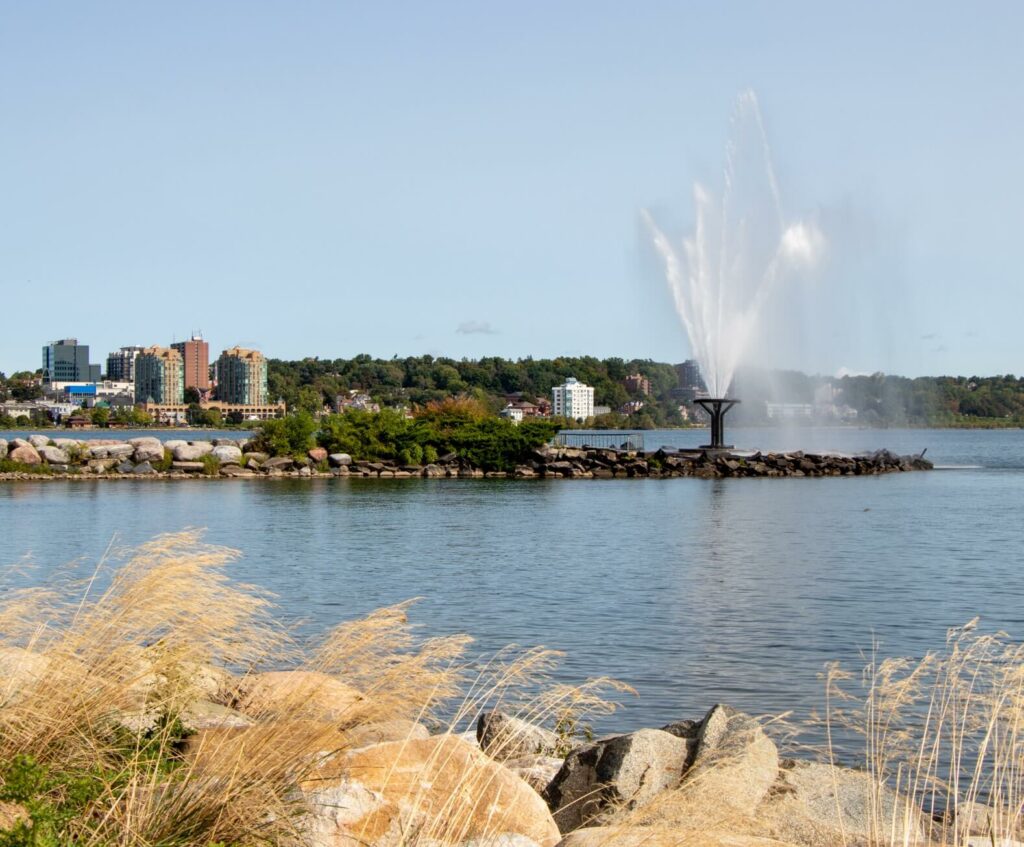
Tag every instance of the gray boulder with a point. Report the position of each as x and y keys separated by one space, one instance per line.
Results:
x=26 y=454
x=339 y=459
x=225 y=442
x=174 y=442
x=125 y=467
x=735 y=766
x=814 y=803
x=144 y=468
x=67 y=443
x=192 y=452
x=38 y=441
x=147 y=449
x=278 y=463
x=111 y=451
x=3 y=448
x=502 y=737
x=537 y=771
x=258 y=458
x=54 y=455
x=625 y=770
x=227 y=454
x=188 y=467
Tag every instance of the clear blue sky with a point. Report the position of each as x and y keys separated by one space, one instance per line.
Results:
x=466 y=178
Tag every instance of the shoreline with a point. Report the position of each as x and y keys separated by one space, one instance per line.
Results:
x=39 y=458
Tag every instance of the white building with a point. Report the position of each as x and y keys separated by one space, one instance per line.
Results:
x=573 y=400
x=512 y=413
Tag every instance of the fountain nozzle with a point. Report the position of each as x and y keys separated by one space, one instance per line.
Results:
x=716 y=407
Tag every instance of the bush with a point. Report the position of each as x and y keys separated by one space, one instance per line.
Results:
x=291 y=435
x=211 y=464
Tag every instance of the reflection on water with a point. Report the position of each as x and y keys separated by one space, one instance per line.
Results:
x=694 y=591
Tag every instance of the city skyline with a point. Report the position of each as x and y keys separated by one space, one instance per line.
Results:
x=452 y=181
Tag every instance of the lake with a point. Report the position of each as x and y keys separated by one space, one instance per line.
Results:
x=693 y=591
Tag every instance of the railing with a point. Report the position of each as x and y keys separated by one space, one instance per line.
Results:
x=615 y=439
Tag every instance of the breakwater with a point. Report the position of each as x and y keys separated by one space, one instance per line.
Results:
x=40 y=457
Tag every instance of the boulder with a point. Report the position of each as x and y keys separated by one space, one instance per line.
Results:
x=278 y=463
x=624 y=770
x=38 y=441
x=54 y=455
x=502 y=737
x=300 y=694
x=340 y=459
x=188 y=467
x=147 y=449
x=226 y=442
x=537 y=770
x=735 y=766
x=651 y=836
x=3 y=448
x=125 y=467
x=111 y=451
x=101 y=465
x=26 y=454
x=174 y=442
x=317 y=454
x=305 y=471
x=192 y=452
x=202 y=714
x=814 y=803
x=258 y=458
x=20 y=668
x=227 y=454
x=380 y=732
x=442 y=788
x=144 y=468
x=235 y=471
x=67 y=443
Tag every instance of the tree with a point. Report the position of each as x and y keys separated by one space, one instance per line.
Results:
x=100 y=415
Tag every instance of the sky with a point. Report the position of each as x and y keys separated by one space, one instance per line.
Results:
x=467 y=179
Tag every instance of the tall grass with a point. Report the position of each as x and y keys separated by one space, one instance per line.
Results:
x=97 y=676
x=946 y=731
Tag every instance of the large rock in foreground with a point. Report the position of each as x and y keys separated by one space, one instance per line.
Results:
x=645 y=836
x=626 y=770
x=735 y=767
x=300 y=694
x=817 y=804
x=502 y=737
x=443 y=789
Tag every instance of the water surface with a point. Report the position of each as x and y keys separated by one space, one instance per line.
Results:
x=694 y=591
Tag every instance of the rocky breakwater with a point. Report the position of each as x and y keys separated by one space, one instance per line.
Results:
x=40 y=457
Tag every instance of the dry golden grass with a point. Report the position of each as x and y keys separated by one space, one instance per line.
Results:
x=94 y=674
x=946 y=731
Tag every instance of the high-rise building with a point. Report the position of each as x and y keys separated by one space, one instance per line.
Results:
x=195 y=354
x=573 y=400
x=159 y=376
x=121 y=364
x=688 y=374
x=242 y=377
x=68 y=361
x=637 y=384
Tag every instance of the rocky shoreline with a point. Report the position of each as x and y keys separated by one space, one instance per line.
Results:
x=514 y=783
x=39 y=457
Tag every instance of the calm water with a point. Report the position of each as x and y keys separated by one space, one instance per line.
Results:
x=693 y=591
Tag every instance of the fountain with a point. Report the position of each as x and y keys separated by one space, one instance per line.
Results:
x=730 y=264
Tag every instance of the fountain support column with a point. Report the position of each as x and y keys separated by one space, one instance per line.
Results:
x=716 y=407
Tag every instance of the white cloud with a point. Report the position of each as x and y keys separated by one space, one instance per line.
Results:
x=476 y=328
